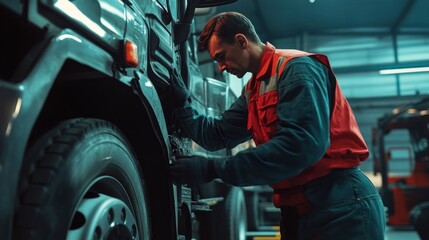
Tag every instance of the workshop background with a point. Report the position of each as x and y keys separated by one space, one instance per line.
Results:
x=362 y=39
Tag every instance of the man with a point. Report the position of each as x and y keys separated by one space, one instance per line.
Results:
x=308 y=144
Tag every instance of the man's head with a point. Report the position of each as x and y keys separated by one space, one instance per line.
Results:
x=232 y=41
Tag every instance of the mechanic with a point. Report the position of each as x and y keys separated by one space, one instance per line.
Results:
x=308 y=144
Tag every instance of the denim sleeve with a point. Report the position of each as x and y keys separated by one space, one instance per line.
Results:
x=302 y=135
x=214 y=133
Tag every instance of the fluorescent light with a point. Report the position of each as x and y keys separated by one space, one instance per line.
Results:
x=404 y=70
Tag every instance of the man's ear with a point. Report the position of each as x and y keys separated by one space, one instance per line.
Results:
x=242 y=40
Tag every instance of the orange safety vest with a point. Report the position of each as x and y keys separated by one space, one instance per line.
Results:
x=347 y=146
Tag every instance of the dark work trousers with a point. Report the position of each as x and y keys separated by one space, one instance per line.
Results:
x=346 y=205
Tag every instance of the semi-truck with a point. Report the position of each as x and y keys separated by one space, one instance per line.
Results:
x=87 y=125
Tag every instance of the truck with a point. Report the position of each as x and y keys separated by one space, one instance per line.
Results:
x=400 y=147
x=87 y=124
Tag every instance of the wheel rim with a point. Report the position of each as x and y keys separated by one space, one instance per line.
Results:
x=104 y=213
x=242 y=220
x=242 y=227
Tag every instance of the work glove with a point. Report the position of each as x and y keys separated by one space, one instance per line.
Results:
x=178 y=89
x=192 y=170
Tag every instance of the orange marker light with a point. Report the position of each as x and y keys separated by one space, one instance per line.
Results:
x=131 y=54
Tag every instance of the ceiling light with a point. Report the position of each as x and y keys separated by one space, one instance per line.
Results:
x=404 y=70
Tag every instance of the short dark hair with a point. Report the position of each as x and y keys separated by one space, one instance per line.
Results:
x=226 y=25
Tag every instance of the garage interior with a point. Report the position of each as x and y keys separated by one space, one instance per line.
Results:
x=89 y=130
x=379 y=51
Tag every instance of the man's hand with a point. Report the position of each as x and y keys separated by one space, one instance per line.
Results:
x=192 y=170
x=179 y=90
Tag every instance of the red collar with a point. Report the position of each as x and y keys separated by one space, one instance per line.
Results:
x=266 y=58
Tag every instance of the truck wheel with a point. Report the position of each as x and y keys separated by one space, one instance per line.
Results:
x=81 y=181
x=252 y=200
x=228 y=220
x=235 y=211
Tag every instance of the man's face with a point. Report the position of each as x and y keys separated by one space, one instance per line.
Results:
x=230 y=57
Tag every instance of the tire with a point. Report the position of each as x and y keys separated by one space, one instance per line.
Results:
x=228 y=220
x=81 y=182
x=252 y=200
x=235 y=211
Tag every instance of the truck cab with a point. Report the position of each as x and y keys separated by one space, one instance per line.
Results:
x=87 y=130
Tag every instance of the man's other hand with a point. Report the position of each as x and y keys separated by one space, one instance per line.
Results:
x=192 y=170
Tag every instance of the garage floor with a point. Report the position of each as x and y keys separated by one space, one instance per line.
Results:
x=401 y=234
x=391 y=234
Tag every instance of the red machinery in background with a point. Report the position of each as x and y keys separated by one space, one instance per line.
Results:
x=400 y=146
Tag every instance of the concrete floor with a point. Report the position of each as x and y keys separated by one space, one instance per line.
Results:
x=401 y=234
x=391 y=234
